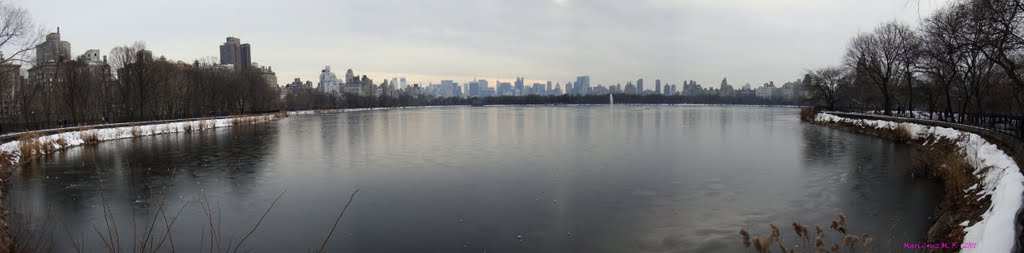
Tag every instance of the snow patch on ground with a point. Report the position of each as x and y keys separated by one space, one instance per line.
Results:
x=1002 y=181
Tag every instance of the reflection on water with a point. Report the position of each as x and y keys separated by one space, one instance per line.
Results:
x=473 y=179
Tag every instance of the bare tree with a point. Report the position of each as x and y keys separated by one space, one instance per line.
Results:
x=881 y=56
x=825 y=84
x=74 y=88
x=18 y=36
x=940 y=53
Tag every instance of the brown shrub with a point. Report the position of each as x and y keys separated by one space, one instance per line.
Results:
x=902 y=134
x=808 y=114
x=49 y=147
x=29 y=145
x=944 y=159
x=62 y=142
x=6 y=160
x=89 y=137
x=136 y=131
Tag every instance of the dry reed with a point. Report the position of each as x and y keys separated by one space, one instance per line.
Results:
x=808 y=114
x=763 y=244
x=902 y=134
x=281 y=114
x=29 y=145
x=136 y=131
x=89 y=137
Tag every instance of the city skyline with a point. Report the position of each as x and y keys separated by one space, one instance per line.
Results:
x=541 y=41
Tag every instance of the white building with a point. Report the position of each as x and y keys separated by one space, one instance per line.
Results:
x=92 y=57
x=767 y=91
x=328 y=81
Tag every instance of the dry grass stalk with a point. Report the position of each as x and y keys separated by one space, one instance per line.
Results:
x=775 y=233
x=851 y=242
x=31 y=234
x=902 y=133
x=324 y=245
x=746 y=237
x=89 y=137
x=808 y=114
x=866 y=240
x=29 y=145
x=757 y=244
x=136 y=131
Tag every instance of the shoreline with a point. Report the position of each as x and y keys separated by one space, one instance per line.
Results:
x=13 y=149
x=985 y=213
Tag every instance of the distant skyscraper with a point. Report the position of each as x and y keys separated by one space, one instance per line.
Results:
x=350 y=77
x=582 y=85
x=401 y=83
x=505 y=89
x=569 y=89
x=235 y=53
x=53 y=49
x=668 y=89
x=537 y=89
x=640 y=86
x=547 y=90
x=328 y=81
x=448 y=88
x=630 y=89
x=473 y=89
x=725 y=89
x=483 y=84
x=520 y=86
x=245 y=56
x=657 y=86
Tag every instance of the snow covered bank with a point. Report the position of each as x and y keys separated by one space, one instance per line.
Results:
x=40 y=145
x=307 y=112
x=1000 y=179
x=337 y=110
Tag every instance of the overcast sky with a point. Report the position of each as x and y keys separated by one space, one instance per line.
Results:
x=613 y=41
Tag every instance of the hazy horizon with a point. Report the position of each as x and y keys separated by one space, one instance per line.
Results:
x=613 y=42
